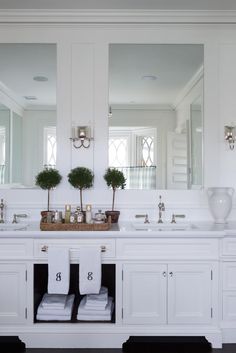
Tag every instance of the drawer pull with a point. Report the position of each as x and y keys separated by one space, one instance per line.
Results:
x=44 y=248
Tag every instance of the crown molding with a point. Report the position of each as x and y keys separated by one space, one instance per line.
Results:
x=118 y=16
x=188 y=87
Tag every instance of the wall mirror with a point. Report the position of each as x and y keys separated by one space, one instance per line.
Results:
x=27 y=112
x=155 y=114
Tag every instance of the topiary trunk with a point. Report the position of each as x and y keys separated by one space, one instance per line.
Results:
x=113 y=199
x=81 y=200
x=48 y=198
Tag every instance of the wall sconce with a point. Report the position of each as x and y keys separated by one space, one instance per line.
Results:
x=81 y=136
x=110 y=112
x=230 y=135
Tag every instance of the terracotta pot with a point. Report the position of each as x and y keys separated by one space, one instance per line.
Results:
x=46 y=216
x=114 y=215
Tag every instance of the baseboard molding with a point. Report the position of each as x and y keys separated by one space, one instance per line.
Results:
x=99 y=340
x=229 y=335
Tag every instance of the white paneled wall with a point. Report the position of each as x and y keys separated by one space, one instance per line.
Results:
x=82 y=99
x=227 y=109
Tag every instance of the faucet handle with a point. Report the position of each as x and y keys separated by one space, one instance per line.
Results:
x=176 y=216
x=145 y=216
x=20 y=215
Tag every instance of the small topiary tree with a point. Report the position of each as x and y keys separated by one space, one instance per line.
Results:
x=48 y=179
x=114 y=179
x=81 y=178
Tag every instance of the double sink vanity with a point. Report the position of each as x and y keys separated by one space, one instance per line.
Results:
x=166 y=279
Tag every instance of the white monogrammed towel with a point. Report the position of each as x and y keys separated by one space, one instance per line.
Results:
x=90 y=269
x=58 y=270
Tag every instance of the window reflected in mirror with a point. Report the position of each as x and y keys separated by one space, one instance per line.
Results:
x=27 y=112
x=155 y=114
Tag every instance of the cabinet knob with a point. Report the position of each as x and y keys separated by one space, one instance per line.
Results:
x=164 y=273
x=171 y=274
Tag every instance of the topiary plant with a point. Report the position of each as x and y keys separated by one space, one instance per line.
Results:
x=81 y=178
x=114 y=179
x=48 y=179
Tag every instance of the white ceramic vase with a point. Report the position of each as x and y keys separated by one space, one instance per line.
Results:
x=220 y=203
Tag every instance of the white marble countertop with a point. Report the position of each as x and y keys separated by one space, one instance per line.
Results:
x=124 y=230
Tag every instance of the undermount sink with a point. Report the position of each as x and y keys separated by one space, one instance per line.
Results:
x=13 y=226
x=154 y=226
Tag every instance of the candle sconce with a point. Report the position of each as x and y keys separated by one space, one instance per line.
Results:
x=230 y=135
x=81 y=136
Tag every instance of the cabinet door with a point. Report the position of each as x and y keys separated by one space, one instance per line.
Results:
x=12 y=293
x=144 y=293
x=189 y=294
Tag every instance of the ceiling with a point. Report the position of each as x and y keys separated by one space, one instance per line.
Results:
x=120 y=4
x=151 y=74
x=20 y=63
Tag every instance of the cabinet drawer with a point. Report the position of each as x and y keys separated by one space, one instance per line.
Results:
x=167 y=248
x=15 y=248
x=229 y=246
x=229 y=276
x=107 y=247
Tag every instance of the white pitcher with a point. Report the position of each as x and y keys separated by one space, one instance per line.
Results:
x=220 y=202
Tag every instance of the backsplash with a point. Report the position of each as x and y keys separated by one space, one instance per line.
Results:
x=193 y=204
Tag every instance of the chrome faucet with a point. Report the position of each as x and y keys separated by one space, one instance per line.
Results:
x=161 y=207
x=2 y=211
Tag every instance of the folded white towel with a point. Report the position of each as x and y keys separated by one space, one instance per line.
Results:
x=89 y=269
x=106 y=312
x=96 y=307
x=58 y=312
x=96 y=317
x=53 y=317
x=102 y=296
x=54 y=301
x=58 y=270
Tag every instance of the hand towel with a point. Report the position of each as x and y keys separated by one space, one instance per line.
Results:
x=53 y=317
x=99 y=307
x=59 y=312
x=54 y=301
x=85 y=316
x=89 y=269
x=58 y=270
x=98 y=298
x=106 y=312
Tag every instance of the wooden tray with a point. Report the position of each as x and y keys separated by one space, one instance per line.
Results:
x=75 y=226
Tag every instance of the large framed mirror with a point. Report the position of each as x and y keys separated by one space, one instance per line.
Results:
x=156 y=114
x=27 y=112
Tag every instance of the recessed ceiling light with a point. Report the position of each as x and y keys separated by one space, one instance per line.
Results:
x=30 y=98
x=40 y=78
x=149 y=77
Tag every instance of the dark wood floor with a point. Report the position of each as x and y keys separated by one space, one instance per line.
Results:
x=227 y=348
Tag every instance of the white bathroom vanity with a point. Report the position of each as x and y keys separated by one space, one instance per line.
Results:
x=164 y=282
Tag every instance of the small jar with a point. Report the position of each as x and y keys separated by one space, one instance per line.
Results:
x=88 y=214
x=80 y=215
x=99 y=217
x=72 y=218
x=57 y=217
x=67 y=213
x=50 y=216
